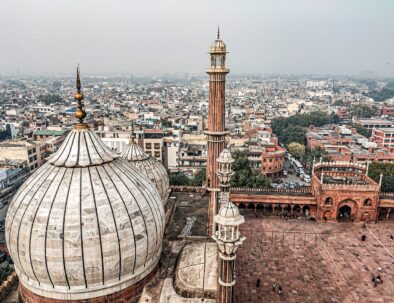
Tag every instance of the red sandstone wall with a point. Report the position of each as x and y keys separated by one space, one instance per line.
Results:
x=128 y=295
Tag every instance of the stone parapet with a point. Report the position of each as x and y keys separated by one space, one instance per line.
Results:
x=352 y=187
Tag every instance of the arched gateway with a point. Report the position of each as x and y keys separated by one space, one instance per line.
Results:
x=347 y=210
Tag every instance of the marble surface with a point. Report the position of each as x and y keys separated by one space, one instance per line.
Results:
x=85 y=224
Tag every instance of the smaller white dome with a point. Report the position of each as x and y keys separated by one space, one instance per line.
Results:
x=150 y=167
x=229 y=211
x=225 y=156
x=229 y=215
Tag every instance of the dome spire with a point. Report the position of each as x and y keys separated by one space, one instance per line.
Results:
x=80 y=113
x=218 y=32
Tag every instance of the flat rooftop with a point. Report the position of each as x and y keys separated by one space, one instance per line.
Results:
x=314 y=262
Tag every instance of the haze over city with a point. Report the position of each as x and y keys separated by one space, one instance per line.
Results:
x=46 y=37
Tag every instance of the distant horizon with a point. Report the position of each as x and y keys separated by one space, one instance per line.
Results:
x=300 y=76
x=156 y=37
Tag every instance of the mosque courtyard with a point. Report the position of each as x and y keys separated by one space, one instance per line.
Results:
x=314 y=262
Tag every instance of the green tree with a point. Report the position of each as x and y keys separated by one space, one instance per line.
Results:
x=166 y=123
x=296 y=149
x=199 y=178
x=292 y=134
x=340 y=103
x=245 y=175
x=178 y=178
x=314 y=153
x=387 y=169
x=49 y=99
x=386 y=92
x=292 y=129
x=363 y=111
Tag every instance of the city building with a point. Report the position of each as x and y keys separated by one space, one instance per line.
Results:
x=339 y=191
x=171 y=148
x=28 y=150
x=342 y=143
x=342 y=113
x=153 y=143
x=273 y=161
x=387 y=111
x=373 y=122
x=384 y=137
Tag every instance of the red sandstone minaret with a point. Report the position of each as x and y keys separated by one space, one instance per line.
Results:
x=216 y=133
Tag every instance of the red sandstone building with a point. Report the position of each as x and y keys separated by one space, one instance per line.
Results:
x=342 y=113
x=387 y=111
x=273 y=161
x=264 y=153
x=384 y=137
x=339 y=191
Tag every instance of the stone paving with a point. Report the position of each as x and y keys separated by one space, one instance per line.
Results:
x=314 y=262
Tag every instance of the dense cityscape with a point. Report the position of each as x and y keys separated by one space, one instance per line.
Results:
x=170 y=116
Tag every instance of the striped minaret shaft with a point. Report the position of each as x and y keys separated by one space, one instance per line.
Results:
x=216 y=134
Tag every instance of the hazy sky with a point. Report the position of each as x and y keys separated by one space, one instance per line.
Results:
x=146 y=36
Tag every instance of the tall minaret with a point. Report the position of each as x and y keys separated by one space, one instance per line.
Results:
x=216 y=119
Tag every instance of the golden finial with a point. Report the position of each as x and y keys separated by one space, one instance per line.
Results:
x=80 y=113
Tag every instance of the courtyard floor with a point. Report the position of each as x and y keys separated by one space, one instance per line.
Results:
x=314 y=262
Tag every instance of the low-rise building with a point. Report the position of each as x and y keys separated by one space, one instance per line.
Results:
x=383 y=137
x=373 y=123
x=342 y=143
x=273 y=161
x=31 y=151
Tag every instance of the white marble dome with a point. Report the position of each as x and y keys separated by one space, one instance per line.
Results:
x=150 y=166
x=85 y=224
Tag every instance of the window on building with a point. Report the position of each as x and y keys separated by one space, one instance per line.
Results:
x=157 y=145
x=367 y=202
x=148 y=145
x=157 y=154
x=328 y=201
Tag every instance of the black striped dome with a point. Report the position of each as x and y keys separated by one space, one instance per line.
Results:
x=150 y=167
x=85 y=224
